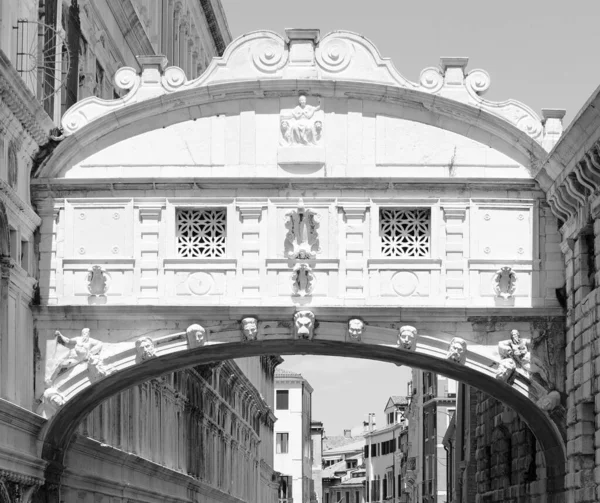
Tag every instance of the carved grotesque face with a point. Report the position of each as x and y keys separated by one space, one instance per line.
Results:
x=145 y=348
x=505 y=370
x=515 y=336
x=550 y=401
x=285 y=125
x=304 y=324
x=54 y=398
x=356 y=328
x=457 y=351
x=406 y=337
x=302 y=101
x=196 y=335
x=318 y=126
x=250 y=328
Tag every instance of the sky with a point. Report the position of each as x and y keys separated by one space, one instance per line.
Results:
x=543 y=53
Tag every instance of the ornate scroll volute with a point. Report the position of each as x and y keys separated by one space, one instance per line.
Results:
x=407 y=338
x=303 y=280
x=356 y=328
x=457 y=351
x=249 y=329
x=196 y=336
x=145 y=349
x=504 y=283
x=98 y=280
x=304 y=325
x=302 y=238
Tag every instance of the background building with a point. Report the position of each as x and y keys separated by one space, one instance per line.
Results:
x=293 y=437
x=317 y=431
x=382 y=454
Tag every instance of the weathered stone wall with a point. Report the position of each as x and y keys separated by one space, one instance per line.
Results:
x=582 y=365
x=509 y=469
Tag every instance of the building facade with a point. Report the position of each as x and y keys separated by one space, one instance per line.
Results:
x=300 y=196
x=382 y=454
x=204 y=432
x=317 y=432
x=293 y=437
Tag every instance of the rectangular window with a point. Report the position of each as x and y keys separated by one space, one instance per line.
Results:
x=347 y=495
x=326 y=497
x=201 y=233
x=366 y=451
x=282 y=399
x=373 y=450
x=356 y=497
x=282 y=443
x=338 y=497
x=405 y=232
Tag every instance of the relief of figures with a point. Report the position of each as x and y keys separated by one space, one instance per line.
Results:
x=81 y=348
x=302 y=125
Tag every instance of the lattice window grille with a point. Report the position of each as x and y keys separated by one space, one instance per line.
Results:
x=405 y=232
x=201 y=233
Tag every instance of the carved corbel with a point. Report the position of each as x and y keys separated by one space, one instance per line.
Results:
x=407 y=338
x=304 y=325
x=575 y=189
x=457 y=351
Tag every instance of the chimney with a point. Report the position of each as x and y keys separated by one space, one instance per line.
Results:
x=348 y=433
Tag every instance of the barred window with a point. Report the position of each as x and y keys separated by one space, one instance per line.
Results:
x=201 y=233
x=405 y=232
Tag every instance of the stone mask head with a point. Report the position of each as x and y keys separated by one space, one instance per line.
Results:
x=407 y=338
x=250 y=329
x=356 y=328
x=144 y=347
x=196 y=335
x=457 y=352
x=304 y=322
x=506 y=369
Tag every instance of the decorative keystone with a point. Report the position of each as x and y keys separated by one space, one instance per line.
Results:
x=152 y=68
x=302 y=42
x=453 y=69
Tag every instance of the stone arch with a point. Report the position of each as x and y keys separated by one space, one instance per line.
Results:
x=173 y=353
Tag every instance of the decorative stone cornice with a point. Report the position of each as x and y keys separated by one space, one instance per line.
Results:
x=18 y=206
x=19 y=478
x=22 y=103
x=575 y=191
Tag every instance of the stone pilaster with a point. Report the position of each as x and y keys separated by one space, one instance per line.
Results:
x=355 y=243
x=455 y=251
x=51 y=244
x=147 y=269
x=251 y=270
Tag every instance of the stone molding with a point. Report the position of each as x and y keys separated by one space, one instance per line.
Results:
x=22 y=103
x=339 y=54
x=19 y=207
